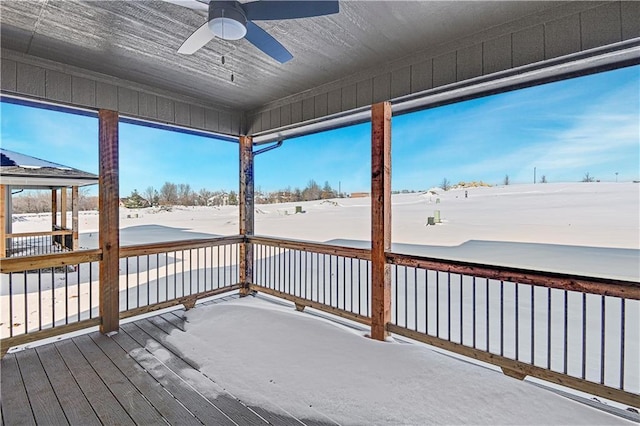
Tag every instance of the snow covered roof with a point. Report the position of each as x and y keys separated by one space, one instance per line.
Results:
x=24 y=171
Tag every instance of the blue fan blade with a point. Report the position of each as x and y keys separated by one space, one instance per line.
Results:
x=265 y=42
x=268 y=10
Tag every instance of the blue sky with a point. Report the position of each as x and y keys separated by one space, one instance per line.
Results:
x=564 y=129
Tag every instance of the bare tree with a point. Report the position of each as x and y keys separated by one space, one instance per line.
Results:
x=169 y=194
x=185 y=197
x=151 y=195
x=445 y=185
x=588 y=178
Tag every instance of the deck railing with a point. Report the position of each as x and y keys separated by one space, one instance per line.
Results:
x=47 y=295
x=575 y=331
x=42 y=295
x=38 y=243
x=153 y=276
x=331 y=278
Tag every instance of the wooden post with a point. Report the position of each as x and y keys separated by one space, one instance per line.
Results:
x=74 y=217
x=63 y=207
x=246 y=203
x=3 y=220
x=380 y=218
x=54 y=209
x=108 y=203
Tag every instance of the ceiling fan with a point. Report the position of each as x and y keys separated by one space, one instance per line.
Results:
x=232 y=20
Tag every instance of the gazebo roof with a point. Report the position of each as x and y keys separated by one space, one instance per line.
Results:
x=24 y=171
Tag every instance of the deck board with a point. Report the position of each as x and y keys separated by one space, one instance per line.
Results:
x=203 y=409
x=107 y=408
x=129 y=397
x=15 y=404
x=44 y=404
x=76 y=407
x=153 y=337
x=172 y=410
x=175 y=319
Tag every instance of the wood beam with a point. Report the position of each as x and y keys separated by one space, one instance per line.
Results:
x=380 y=219
x=74 y=217
x=54 y=209
x=247 y=208
x=109 y=198
x=63 y=207
x=4 y=215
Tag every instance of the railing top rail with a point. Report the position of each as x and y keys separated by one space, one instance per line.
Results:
x=53 y=260
x=322 y=248
x=595 y=285
x=154 y=248
x=39 y=233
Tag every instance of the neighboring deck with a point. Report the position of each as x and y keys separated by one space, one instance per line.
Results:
x=129 y=378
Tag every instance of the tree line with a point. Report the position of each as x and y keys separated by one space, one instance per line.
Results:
x=40 y=201
x=181 y=194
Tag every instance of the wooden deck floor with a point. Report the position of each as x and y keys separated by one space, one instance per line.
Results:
x=129 y=378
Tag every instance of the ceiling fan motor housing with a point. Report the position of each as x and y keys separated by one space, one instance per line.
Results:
x=227 y=20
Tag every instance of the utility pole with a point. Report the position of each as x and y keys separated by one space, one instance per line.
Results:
x=340 y=188
x=534 y=175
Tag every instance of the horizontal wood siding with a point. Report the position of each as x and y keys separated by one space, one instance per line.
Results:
x=533 y=39
x=31 y=77
x=8 y=75
x=630 y=13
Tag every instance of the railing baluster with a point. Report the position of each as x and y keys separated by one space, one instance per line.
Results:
x=487 y=327
x=449 y=306
x=584 y=335
x=622 y=340
x=602 y=338
x=566 y=332
x=548 y=329
x=406 y=299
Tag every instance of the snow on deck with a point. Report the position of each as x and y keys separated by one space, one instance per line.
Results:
x=274 y=357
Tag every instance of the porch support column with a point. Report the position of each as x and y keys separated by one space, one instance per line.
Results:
x=63 y=207
x=380 y=218
x=246 y=203
x=54 y=209
x=74 y=217
x=108 y=204
x=4 y=216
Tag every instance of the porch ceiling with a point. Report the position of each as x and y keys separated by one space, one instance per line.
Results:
x=137 y=41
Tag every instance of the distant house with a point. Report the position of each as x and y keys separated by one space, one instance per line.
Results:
x=218 y=199
x=359 y=194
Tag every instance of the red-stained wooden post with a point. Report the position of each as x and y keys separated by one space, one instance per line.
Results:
x=380 y=218
x=109 y=201
x=246 y=203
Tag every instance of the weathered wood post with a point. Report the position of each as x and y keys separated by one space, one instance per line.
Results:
x=108 y=204
x=54 y=209
x=74 y=217
x=246 y=203
x=63 y=207
x=380 y=218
